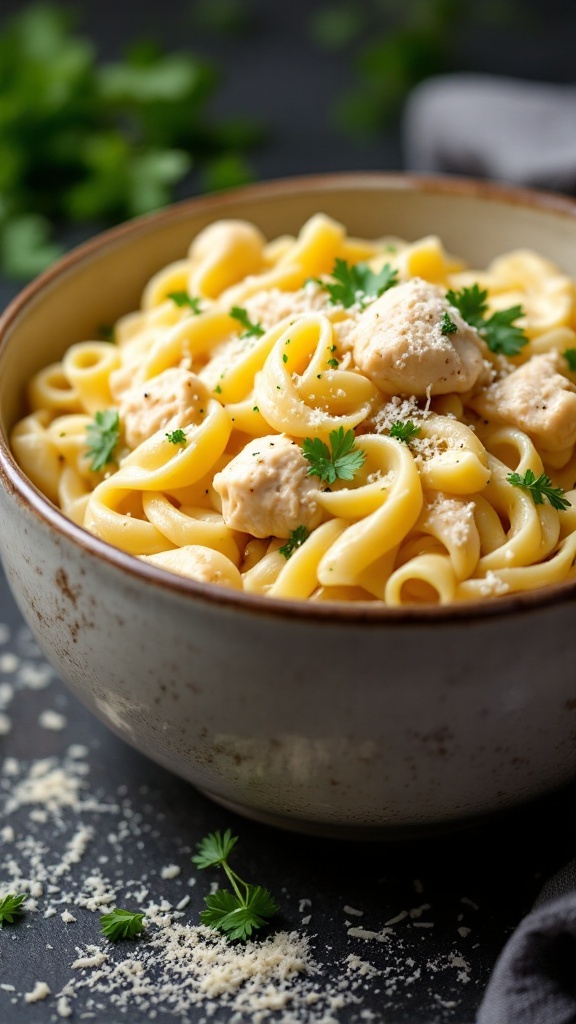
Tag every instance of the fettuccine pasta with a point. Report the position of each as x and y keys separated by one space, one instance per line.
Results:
x=325 y=418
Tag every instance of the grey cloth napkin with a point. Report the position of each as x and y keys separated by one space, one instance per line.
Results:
x=519 y=132
x=534 y=981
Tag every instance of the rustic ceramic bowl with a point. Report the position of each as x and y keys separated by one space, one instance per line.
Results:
x=335 y=720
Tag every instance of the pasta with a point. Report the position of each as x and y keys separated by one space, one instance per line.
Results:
x=325 y=418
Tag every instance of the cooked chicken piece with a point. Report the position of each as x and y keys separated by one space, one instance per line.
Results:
x=405 y=343
x=265 y=489
x=535 y=398
x=172 y=400
x=198 y=563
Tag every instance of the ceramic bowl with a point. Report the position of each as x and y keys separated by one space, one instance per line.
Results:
x=336 y=720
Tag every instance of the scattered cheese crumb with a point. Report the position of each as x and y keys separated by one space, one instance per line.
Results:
x=40 y=991
x=63 y=1008
x=52 y=720
x=9 y=662
x=170 y=871
x=94 y=957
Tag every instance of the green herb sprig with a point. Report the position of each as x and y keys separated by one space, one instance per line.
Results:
x=540 y=488
x=570 y=357
x=83 y=141
x=247 y=907
x=342 y=462
x=11 y=907
x=102 y=436
x=296 y=539
x=183 y=299
x=357 y=283
x=176 y=436
x=447 y=326
x=121 y=924
x=404 y=432
x=499 y=331
x=251 y=329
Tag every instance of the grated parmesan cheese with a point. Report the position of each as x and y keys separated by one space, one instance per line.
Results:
x=40 y=991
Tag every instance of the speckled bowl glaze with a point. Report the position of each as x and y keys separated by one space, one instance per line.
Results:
x=335 y=720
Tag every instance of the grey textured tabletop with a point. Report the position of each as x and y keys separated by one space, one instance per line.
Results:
x=403 y=933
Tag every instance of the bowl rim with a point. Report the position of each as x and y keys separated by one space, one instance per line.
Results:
x=15 y=481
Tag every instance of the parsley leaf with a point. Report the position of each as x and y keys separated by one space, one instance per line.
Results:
x=252 y=330
x=102 y=436
x=342 y=463
x=499 y=331
x=540 y=488
x=296 y=539
x=82 y=140
x=177 y=437
x=184 y=299
x=447 y=326
x=404 y=431
x=11 y=907
x=238 y=918
x=470 y=303
x=214 y=849
x=236 y=913
x=570 y=357
x=107 y=333
x=121 y=924
x=357 y=283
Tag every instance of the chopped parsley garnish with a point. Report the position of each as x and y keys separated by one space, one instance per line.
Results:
x=121 y=924
x=251 y=330
x=333 y=363
x=91 y=140
x=404 y=431
x=540 y=488
x=11 y=907
x=177 y=437
x=357 y=283
x=296 y=539
x=447 y=325
x=236 y=913
x=107 y=333
x=570 y=357
x=499 y=330
x=340 y=463
x=184 y=299
x=102 y=436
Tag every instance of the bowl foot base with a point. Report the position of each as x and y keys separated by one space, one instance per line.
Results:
x=346 y=830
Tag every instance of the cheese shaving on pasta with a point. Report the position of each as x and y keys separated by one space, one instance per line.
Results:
x=312 y=418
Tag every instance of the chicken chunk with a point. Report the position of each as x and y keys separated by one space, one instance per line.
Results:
x=172 y=400
x=265 y=489
x=406 y=345
x=535 y=398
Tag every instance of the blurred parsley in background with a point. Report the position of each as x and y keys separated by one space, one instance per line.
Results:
x=394 y=44
x=84 y=142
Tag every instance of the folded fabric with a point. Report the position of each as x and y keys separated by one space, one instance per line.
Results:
x=514 y=131
x=534 y=981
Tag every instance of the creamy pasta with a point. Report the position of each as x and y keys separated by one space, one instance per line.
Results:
x=325 y=418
